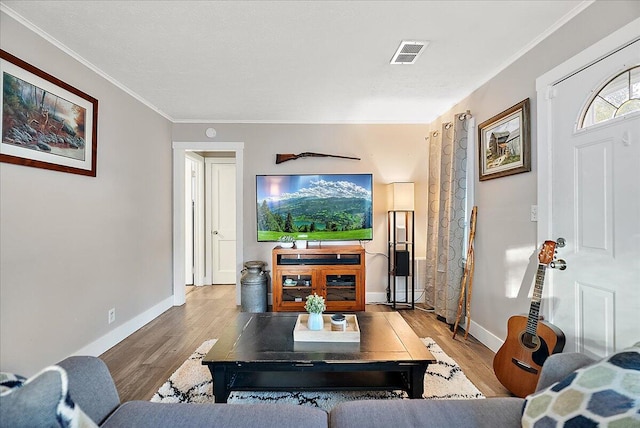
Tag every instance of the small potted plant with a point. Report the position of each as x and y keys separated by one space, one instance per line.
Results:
x=286 y=241
x=315 y=306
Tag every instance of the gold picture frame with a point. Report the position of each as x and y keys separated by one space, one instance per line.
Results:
x=504 y=143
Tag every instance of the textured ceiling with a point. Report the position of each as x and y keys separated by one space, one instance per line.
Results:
x=295 y=61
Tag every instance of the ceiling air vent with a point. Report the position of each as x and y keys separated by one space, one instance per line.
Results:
x=408 y=52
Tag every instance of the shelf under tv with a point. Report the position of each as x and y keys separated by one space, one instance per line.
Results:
x=317 y=261
x=316 y=257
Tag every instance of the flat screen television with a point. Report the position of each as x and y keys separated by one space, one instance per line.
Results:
x=321 y=207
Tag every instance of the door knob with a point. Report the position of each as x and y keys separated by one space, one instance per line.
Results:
x=558 y=264
x=215 y=232
x=561 y=242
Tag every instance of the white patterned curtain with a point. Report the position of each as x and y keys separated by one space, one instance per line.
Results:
x=446 y=216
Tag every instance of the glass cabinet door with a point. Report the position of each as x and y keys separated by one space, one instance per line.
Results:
x=296 y=287
x=340 y=287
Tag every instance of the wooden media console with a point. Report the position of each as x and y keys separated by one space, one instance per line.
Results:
x=335 y=272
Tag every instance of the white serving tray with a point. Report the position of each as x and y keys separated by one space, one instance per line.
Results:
x=301 y=332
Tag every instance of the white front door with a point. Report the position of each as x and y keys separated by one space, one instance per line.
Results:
x=221 y=183
x=595 y=197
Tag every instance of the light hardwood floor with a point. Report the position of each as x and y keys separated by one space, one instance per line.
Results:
x=142 y=362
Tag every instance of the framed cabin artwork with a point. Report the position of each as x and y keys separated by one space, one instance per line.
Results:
x=46 y=123
x=504 y=143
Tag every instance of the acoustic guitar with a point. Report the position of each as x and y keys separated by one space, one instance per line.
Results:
x=529 y=341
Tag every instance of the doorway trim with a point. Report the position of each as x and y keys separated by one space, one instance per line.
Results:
x=179 y=152
x=545 y=89
x=198 y=224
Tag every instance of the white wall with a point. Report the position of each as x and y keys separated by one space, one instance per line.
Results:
x=506 y=249
x=71 y=247
x=390 y=152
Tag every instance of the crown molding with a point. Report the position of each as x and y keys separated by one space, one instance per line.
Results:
x=55 y=42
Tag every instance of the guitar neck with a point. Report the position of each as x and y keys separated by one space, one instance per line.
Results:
x=534 y=310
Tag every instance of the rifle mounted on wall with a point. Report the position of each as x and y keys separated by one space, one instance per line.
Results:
x=283 y=157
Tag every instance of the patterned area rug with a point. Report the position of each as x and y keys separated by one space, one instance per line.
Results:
x=192 y=383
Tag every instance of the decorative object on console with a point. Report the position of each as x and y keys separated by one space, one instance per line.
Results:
x=284 y=157
x=301 y=242
x=315 y=306
x=59 y=131
x=286 y=241
x=401 y=233
x=529 y=342
x=505 y=143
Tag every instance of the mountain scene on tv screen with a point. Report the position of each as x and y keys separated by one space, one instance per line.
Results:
x=324 y=210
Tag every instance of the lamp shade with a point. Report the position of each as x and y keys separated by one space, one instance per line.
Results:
x=400 y=197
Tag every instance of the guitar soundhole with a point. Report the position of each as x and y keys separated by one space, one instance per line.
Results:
x=530 y=341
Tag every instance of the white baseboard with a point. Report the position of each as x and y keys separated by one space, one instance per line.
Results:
x=487 y=338
x=120 y=333
x=381 y=296
x=375 y=297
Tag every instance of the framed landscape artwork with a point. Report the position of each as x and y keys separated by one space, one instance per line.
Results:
x=504 y=143
x=46 y=123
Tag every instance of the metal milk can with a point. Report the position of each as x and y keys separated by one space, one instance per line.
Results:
x=253 y=287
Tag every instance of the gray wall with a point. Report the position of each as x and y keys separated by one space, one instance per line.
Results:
x=71 y=247
x=391 y=152
x=506 y=249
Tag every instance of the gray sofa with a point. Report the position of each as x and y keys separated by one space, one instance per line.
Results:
x=491 y=412
x=91 y=387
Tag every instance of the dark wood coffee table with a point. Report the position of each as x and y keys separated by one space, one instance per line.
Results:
x=258 y=353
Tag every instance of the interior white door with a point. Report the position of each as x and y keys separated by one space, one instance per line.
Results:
x=189 y=220
x=595 y=175
x=222 y=205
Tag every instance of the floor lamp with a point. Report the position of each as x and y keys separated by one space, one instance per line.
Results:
x=401 y=252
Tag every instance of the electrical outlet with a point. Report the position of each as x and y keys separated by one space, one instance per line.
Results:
x=112 y=315
x=534 y=213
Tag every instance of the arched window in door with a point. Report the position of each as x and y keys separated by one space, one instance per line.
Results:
x=620 y=96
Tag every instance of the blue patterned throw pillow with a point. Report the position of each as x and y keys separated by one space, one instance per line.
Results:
x=40 y=401
x=603 y=394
